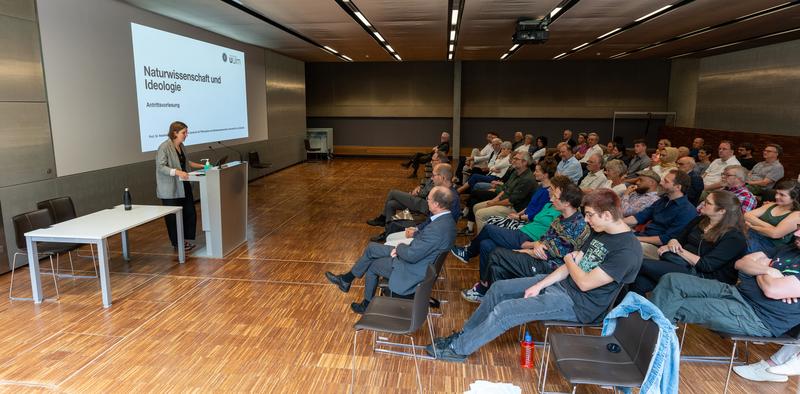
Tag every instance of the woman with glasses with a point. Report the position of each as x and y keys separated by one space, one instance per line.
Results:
x=708 y=247
x=772 y=224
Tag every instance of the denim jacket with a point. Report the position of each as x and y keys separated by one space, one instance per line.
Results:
x=663 y=373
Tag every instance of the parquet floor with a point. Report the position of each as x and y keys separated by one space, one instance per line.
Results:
x=264 y=319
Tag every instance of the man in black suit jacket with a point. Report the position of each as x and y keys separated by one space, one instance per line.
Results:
x=405 y=265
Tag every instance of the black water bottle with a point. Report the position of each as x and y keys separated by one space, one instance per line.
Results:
x=126 y=199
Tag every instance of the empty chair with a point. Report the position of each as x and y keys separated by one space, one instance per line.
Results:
x=30 y=221
x=310 y=150
x=398 y=316
x=620 y=359
x=62 y=209
x=255 y=161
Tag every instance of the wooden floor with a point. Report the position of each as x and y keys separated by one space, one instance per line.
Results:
x=264 y=319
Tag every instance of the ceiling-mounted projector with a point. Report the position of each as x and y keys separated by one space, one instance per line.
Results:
x=531 y=31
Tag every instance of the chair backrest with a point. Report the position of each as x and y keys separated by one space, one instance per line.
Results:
x=308 y=144
x=253 y=158
x=421 y=300
x=61 y=208
x=30 y=221
x=638 y=337
x=439 y=263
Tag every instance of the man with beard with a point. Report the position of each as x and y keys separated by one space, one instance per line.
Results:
x=641 y=195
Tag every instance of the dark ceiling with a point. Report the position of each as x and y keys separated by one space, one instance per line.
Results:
x=418 y=30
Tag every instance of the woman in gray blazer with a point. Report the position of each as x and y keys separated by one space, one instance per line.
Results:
x=172 y=166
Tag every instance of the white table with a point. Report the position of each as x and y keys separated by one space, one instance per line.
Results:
x=95 y=228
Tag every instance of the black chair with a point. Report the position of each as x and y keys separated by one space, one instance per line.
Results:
x=255 y=161
x=620 y=359
x=62 y=209
x=30 y=221
x=383 y=285
x=791 y=338
x=397 y=316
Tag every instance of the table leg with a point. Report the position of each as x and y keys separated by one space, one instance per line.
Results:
x=33 y=267
x=125 y=255
x=105 y=278
x=181 y=249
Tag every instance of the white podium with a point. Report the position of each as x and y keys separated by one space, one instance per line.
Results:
x=223 y=205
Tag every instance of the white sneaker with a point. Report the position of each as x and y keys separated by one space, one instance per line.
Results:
x=758 y=373
x=789 y=368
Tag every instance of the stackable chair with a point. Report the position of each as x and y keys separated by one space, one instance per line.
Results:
x=619 y=360
x=62 y=209
x=255 y=161
x=310 y=150
x=397 y=316
x=30 y=221
x=791 y=338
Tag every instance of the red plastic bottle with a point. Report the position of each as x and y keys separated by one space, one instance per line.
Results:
x=527 y=358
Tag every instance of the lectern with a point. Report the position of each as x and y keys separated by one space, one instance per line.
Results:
x=223 y=202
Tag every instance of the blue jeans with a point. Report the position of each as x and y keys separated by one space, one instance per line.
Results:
x=480 y=178
x=490 y=238
x=504 y=307
x=482 y=186
x=756 y=242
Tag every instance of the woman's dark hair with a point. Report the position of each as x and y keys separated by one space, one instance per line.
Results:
x=543 y=140
x=733 y=219
x=571 y=194
x=791 y=187
x=549 y=166
x=174 y=128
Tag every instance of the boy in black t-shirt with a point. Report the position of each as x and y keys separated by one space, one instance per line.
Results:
x=763 y=304
x=580 y=291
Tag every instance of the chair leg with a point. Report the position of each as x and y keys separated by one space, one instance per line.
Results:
x=416 y=363
x=430 y=330
x=545 y=360
x=683 y=335
x=574 y=387
x=353 y=364
x=13 y=267
x=53 y=272
x=730 y=368
x=71 y=267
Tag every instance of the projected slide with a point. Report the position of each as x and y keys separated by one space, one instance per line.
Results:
x=180 y=78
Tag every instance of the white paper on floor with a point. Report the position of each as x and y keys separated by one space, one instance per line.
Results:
x=486 y=387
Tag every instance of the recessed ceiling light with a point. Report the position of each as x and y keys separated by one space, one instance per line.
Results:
x=452 y=35
x=397 y=57
x=454 y=17
x=515 y=46
x=554 y=12
x=580 y=46
x=389 y=47
x=362 y=19
x=450 y=56
x=330 y=49
x=347 y=58
x=609 y=33
x=378 y=36
x=505 y=55
x=451 y=48
x=653 y=13
x=560 y=56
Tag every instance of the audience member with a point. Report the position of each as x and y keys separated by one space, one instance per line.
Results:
x=712 y=175
x=762 y=304
x=683 y=151
x=526 y=146
x=580 y=149
x=592 y=148
x=414 y=201
x=615 y=172
x=422 y=158
x=595 y=178
x=766 y=173
x=566 y=137
x=640 y=161
x=518 y=140
x=782 y=364
x=497 y=167
x=697 y=143
x=569 y=165
x=687 y=165
x=703 y=159
x=581 y=290
x=732 y=180
x=616 y=152
x=744 y=153
x=543 y=173
x=405 y=266
x=771 y=225
x=663 y=143
x=641 y=195
x=477 y=162
x=539 y=151
x=667 y=216
x=511 y=197
x=707 y=247
x=666 y=162
x=440 y=176
x=565 y=201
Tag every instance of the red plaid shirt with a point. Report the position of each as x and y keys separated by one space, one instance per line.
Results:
x=747 y=199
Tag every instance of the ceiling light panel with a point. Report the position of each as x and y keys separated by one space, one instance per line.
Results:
x=352 y=9
x=455 y=9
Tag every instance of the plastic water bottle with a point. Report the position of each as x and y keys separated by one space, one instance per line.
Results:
x=526 y=358
x=126 y=199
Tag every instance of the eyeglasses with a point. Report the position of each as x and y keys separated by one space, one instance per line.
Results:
x=727 y=175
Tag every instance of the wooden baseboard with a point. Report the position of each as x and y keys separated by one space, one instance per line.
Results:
x=388 y=151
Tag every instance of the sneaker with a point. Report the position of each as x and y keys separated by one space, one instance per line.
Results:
x=472 y=295
x=445 y=354
x=758 y=373
x=443 y=342
x=461 y=254
x=789 y=368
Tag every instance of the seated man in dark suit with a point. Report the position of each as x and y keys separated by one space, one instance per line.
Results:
x=405 y=265
x=421 y=158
